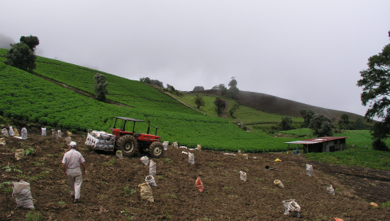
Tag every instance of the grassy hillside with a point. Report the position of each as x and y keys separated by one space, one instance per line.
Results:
x=280 y=106
x=34 y=100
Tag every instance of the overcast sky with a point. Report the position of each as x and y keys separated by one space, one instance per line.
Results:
x=306 y=51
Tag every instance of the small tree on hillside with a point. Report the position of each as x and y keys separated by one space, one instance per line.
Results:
x=222 y=89
x=321 y=126
x=233 y=91
x=220 y=105
x=307 y=116
x=198 y=88
x=359 y=124
x=145 y=80
x=286 y=123
x=30 y=41
x=22 y=55
x=100 y=87
x=199 y=101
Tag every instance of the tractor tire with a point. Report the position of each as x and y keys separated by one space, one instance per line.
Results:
x=156 y=149
x=128 y=145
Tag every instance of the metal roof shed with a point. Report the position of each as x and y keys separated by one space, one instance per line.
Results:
x=321 y=144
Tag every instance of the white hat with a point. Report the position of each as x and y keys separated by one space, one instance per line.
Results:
x=72 y=144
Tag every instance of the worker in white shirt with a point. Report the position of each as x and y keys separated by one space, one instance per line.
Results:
x=71 y=163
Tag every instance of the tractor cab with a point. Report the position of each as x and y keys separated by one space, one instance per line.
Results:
x=129 y=141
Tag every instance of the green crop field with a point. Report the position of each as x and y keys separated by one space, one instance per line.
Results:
x=32 y=99
x=35 y=100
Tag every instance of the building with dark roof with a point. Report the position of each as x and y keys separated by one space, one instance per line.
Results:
x=321 y=144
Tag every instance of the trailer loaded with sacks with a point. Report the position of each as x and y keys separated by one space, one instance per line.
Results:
x=129 y=142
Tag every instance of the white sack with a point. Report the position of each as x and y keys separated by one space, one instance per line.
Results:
x=243 y=176
x=11 y=131
x=43 y=129
x=191 y=158
x=150 y=180
x=24 y=133
x=152 y=168
x=22 y=194
x=309 y=169
x=145 y=160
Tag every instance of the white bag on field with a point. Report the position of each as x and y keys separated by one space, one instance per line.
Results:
x=150 y=180
x=291 y=207
x=243 y=176
x=165 y=144
x=191 y=158
x=330 y=190
x=24 y=133
x=11 y=131
x=21 y=192
x=4 y=131
x=309 y=169
x=43 y=130
x=152 y=168
x=145 y=160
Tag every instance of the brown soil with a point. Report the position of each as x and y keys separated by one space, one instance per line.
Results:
x=225 y=197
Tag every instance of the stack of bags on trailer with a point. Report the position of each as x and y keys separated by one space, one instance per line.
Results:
x=100 y=140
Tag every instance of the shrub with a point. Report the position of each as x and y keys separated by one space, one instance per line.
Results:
x=378 y=144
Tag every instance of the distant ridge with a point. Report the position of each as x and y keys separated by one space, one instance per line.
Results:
x=276 y=105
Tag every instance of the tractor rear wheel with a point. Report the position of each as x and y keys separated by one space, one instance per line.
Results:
x=128 y=145
x=156 y=149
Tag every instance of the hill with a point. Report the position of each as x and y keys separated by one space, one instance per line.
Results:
x=35 y=100
x=110 y=188
x=280 y=106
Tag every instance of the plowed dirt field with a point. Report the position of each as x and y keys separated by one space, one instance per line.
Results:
x=110 y=188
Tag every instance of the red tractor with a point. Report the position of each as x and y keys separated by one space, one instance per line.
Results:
x=130 y=142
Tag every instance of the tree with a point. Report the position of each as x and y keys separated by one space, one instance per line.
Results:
x=21 y=56
x=321 y=126
x=222 y=89
x=307 y=115
x=286 y=123
x=30 y=41
x=156 y=83
x=100 y=87
x=233 y=91
x=233 y=82
x=220 y=105
x=359 y=124
x=199 y=101
x=198 y=88
x=376 y=92
x=145 y=80
x=344 y=122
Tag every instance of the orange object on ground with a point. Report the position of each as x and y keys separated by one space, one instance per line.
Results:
x=336 y=219
x=199 y=185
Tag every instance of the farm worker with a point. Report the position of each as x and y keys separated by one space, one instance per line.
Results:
x=71 y=167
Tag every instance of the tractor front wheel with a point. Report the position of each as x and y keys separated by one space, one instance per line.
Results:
x=156 y=149
x=128 y=145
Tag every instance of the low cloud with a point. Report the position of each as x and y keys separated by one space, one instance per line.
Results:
x=5 y=42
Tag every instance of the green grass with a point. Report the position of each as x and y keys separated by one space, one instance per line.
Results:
x=355 y=157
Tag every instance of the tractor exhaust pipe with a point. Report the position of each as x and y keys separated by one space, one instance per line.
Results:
x=148 y=129
x=156 y=131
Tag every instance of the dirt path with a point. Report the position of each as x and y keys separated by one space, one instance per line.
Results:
x=110 y=188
